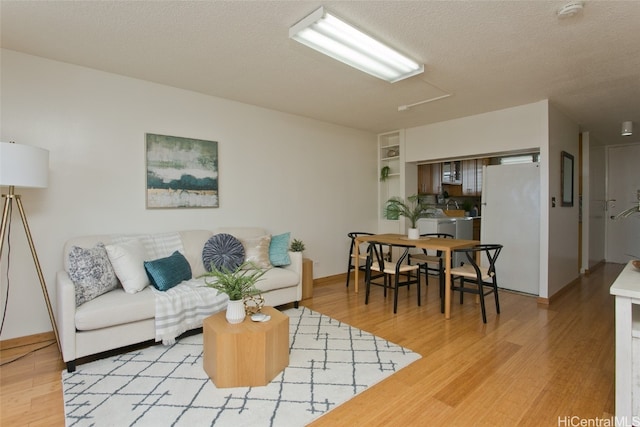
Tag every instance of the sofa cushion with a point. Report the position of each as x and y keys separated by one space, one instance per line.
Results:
x=91 y=272
x=158 y=245
x=222 y=251
x=256 y=251
x=165 y=273
x=127 y=260
x=115 y=308
x=279 y=250
x=277 y=278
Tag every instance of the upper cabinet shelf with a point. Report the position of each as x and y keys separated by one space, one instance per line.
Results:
x=390 y=152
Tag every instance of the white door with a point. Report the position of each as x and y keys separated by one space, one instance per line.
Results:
x=623 y=184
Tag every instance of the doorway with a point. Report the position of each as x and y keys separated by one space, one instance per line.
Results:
x=623 y=185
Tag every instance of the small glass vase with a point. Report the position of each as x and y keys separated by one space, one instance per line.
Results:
x=235 y=311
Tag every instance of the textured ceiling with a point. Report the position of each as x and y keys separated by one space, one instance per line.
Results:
x=488 y=55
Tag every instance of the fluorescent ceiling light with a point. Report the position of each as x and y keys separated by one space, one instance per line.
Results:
x=627 y=128
x=329 y=35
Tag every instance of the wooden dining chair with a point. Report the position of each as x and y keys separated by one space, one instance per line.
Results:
x=394 y=274
x=432 y=262
x=362 y=254
x=482 y=280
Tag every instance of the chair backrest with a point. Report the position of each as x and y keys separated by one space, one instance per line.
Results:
x=439 y=236
x=376 y=254
x=491 y=252
x=353 y=235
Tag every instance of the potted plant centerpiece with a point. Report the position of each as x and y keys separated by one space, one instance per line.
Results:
x=238 y=284
x=411 y=209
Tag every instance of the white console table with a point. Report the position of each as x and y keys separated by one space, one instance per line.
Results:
x=626 y=289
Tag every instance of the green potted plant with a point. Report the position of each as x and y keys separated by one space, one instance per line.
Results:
x=238 y=284
x=384 y=173
x=411 y=209
x=297 y=245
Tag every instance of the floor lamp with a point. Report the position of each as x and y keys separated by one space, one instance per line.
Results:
x=24 y=166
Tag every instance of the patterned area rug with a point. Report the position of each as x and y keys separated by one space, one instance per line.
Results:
x=329 y=363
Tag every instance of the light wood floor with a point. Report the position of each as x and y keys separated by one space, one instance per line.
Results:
x=528 y=366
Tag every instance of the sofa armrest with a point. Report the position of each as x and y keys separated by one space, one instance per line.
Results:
x=66 y=315
x=296 y=267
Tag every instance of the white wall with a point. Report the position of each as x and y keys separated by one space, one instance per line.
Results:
x=278 y=171
x=564 y=265
x=512 y=129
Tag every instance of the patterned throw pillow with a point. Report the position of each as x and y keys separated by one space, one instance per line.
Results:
x=223 y=251
x=279 y=250
x=91 y=272
x=256 y=251
x=165 y=273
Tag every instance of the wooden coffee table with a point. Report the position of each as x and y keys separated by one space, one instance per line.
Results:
x=246 y=354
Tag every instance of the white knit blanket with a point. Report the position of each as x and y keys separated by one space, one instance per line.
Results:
x=184 y=307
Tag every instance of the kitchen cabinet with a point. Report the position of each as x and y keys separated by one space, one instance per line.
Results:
x=452 y=172
x=472 y=176
x=458 y=178
x=476 y=228
x=469 y=178
x=430 y=178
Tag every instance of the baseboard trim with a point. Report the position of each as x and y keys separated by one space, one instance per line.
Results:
x=27 y=340
x=596 y=266
x=562 y=291
x=329 y=279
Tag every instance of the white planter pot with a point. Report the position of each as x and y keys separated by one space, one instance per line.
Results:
x=413 y=234
x=235 y=311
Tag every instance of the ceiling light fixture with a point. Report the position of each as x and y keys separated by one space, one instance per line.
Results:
x=627 y=128
x=327 y=34
x=570 y=9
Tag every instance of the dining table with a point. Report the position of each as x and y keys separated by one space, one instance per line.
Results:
x=447 y=246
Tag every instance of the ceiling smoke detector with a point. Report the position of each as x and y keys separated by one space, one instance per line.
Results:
x=570 y=9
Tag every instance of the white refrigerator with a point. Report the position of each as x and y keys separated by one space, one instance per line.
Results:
x=510 y=216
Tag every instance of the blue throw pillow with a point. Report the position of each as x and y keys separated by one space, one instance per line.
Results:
x=222 y=251
x=279 y=250
x=165 y=273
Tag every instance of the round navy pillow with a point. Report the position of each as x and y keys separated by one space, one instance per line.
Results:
x=222 y=251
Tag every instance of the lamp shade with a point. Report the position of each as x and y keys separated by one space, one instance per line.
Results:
x=23 y=165
x=627 y=128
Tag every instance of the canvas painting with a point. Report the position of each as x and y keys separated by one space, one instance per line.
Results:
x=181 y=172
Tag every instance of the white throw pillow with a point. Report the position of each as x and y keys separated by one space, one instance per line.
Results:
x=128 y=259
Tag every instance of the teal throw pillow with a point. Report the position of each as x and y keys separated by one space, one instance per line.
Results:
x=279 y=250
x=165 y=273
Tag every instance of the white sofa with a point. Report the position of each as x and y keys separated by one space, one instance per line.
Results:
x=116 y=319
